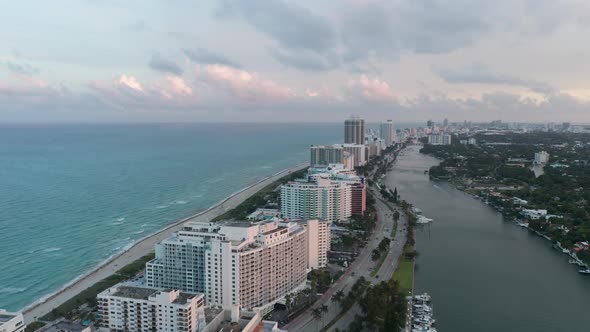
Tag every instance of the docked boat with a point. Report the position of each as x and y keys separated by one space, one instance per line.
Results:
x=573 y=261
x=423 y=220
x=586 y=271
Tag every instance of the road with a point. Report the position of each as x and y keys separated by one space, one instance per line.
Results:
x=389 y=265
x=362 y=266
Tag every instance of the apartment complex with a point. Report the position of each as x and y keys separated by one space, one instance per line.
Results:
x=342 y=174
x=387 y=132
x=11 y=321
x=358 y=199
x=319 y=198
x=439 y=139
x=354 y=131
x=127 y=307
x=250 y=264
x=358 y=152
x=323 y=155
x=318 y=242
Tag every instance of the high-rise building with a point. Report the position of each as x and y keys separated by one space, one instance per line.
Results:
x=387 y=132
x=358 y=199
x=347 y=160
x=11 y=321
x=324 y=155
x=354 y=131
x=128 y=307
x=429 y=123
x=373 y=149
x=440 y=139
x=322 y=198
x=248 y=264
x=358 y=152
x=318 y=242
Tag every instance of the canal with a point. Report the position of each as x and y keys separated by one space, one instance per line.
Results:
x=486 y=274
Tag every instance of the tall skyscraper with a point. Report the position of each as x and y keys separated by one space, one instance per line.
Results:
x=446 y=122
x=354 y=131
x=387 y=132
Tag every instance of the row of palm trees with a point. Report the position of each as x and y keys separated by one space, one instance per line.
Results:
x=320 y=312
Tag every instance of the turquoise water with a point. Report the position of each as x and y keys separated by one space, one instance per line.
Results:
x=73 y=195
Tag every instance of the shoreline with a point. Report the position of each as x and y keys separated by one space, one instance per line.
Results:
x=143 y=246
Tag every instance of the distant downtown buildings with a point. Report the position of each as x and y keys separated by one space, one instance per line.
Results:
x=241 y=263
x=439 y=139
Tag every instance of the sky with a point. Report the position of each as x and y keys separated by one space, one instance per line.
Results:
x=303 y=61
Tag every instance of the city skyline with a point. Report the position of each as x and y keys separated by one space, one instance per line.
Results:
x=285 y=61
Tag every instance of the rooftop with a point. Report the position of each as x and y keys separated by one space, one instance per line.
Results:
x=184 y=297
x=135 y=292
x=5 y=316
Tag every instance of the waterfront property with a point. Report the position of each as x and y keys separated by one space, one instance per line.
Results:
x=387 y=132
x=250 y=264
x=320 y=198
x=11 y=321
x=354 y=131
x=324 y=155
x=128 y=307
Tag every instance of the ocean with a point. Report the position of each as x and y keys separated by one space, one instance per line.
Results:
x=72 y=195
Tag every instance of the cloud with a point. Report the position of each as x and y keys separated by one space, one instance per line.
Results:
x=246 y=86
x=480 y=74
x=290 y=25
x=22 y=69
x=372 y=90
x=385 y=30
x=130 y=82
x=174 y=86
x=203 y=56
x=159 y=63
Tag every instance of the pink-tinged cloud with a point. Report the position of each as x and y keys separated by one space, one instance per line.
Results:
x=374 y=90
x=174 y=87
x=130 y=82
x=246 y=86
x=126 y=91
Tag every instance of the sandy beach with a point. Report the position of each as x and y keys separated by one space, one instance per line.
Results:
x=144 y=246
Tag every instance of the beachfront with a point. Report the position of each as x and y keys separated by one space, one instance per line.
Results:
x=144 y=246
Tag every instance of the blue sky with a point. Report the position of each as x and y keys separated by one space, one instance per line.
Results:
x=277 y=60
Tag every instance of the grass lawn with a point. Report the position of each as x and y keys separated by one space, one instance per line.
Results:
x=404 y=274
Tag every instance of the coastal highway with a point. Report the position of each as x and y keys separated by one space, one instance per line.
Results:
x=362 y=266
x=144 y=246
x=389 y=265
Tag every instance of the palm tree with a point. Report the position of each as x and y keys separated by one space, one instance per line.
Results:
x=338 y=297
x=288 y=301
x=324 y=310
x=317 y=314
